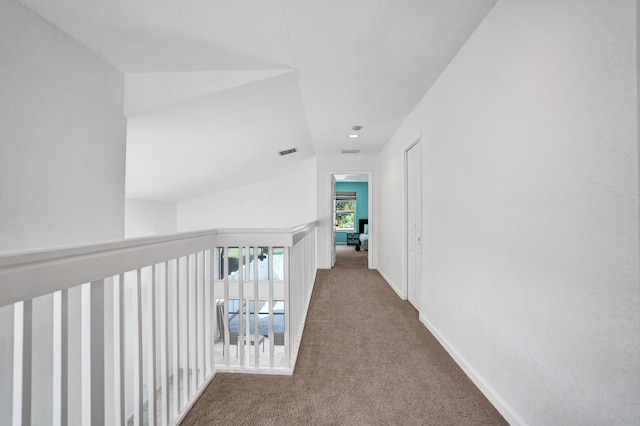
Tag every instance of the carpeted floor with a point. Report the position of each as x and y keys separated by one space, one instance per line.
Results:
x=365 y=359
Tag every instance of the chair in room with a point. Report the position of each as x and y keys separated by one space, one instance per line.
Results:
x=233 y=340
x=278 y=339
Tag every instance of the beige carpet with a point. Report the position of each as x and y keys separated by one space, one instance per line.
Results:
x=365 y=359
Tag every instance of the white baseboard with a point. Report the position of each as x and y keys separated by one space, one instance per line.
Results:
x=496 y=400
x=195 y=398
x=391 y=284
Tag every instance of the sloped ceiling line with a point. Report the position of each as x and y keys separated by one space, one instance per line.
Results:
x=149 y=91
x=209 y=83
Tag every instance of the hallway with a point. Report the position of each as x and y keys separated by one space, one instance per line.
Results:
x=365 y=359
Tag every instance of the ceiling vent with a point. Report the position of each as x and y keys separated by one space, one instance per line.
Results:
x=349 y=151
x=287 y=152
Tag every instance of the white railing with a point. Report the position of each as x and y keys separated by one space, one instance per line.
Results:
x=131 y=332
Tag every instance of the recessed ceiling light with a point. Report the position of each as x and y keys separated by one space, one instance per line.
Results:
x=356 y=128
x=354 y=135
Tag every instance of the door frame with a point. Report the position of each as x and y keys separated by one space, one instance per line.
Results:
x=405 y=215
x=332 y=239
x=369 y=173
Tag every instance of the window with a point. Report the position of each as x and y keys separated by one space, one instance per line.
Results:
x=345 y=219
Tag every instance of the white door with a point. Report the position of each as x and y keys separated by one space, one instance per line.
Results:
x=414 y=224
x=333 y=221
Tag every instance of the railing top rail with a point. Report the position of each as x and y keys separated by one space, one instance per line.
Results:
x=286 y=237
x=30 y=274
x=14 y=259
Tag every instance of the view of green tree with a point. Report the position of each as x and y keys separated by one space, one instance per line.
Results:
x=345 y=205
x=345 y=220
x=345 y=214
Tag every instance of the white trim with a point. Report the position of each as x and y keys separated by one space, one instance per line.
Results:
x=137 y=360
x=22 y=355
x=391 y=284
x=92 y=352
x=200 y=391
x=164 y=346
x=195 y=397
x=60 y=357
x=276 y=371
x=46 y=271
x=492 y=395
x=184 y=277
x=405 y=219
x=294 y=356
x=370 y=214
x=118 y=350
x=284 y=371
x=149 y=323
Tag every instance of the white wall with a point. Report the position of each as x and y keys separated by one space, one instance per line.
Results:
x=327 y=165
x=143 y=218
x=62 y=145
x=530 y=210
x=62 y=158
x=281 y=202
x=389 y=210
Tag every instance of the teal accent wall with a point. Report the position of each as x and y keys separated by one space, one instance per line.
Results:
x=362 y=203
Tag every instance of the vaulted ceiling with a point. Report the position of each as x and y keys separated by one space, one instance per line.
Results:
x=215 y=88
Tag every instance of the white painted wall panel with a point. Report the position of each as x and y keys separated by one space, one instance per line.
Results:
x=389 y=209
x=144 y=218
x=62 y=145
x=531 y=210
x=281 y=202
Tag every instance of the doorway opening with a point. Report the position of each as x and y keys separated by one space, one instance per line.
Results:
x=351 y=213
